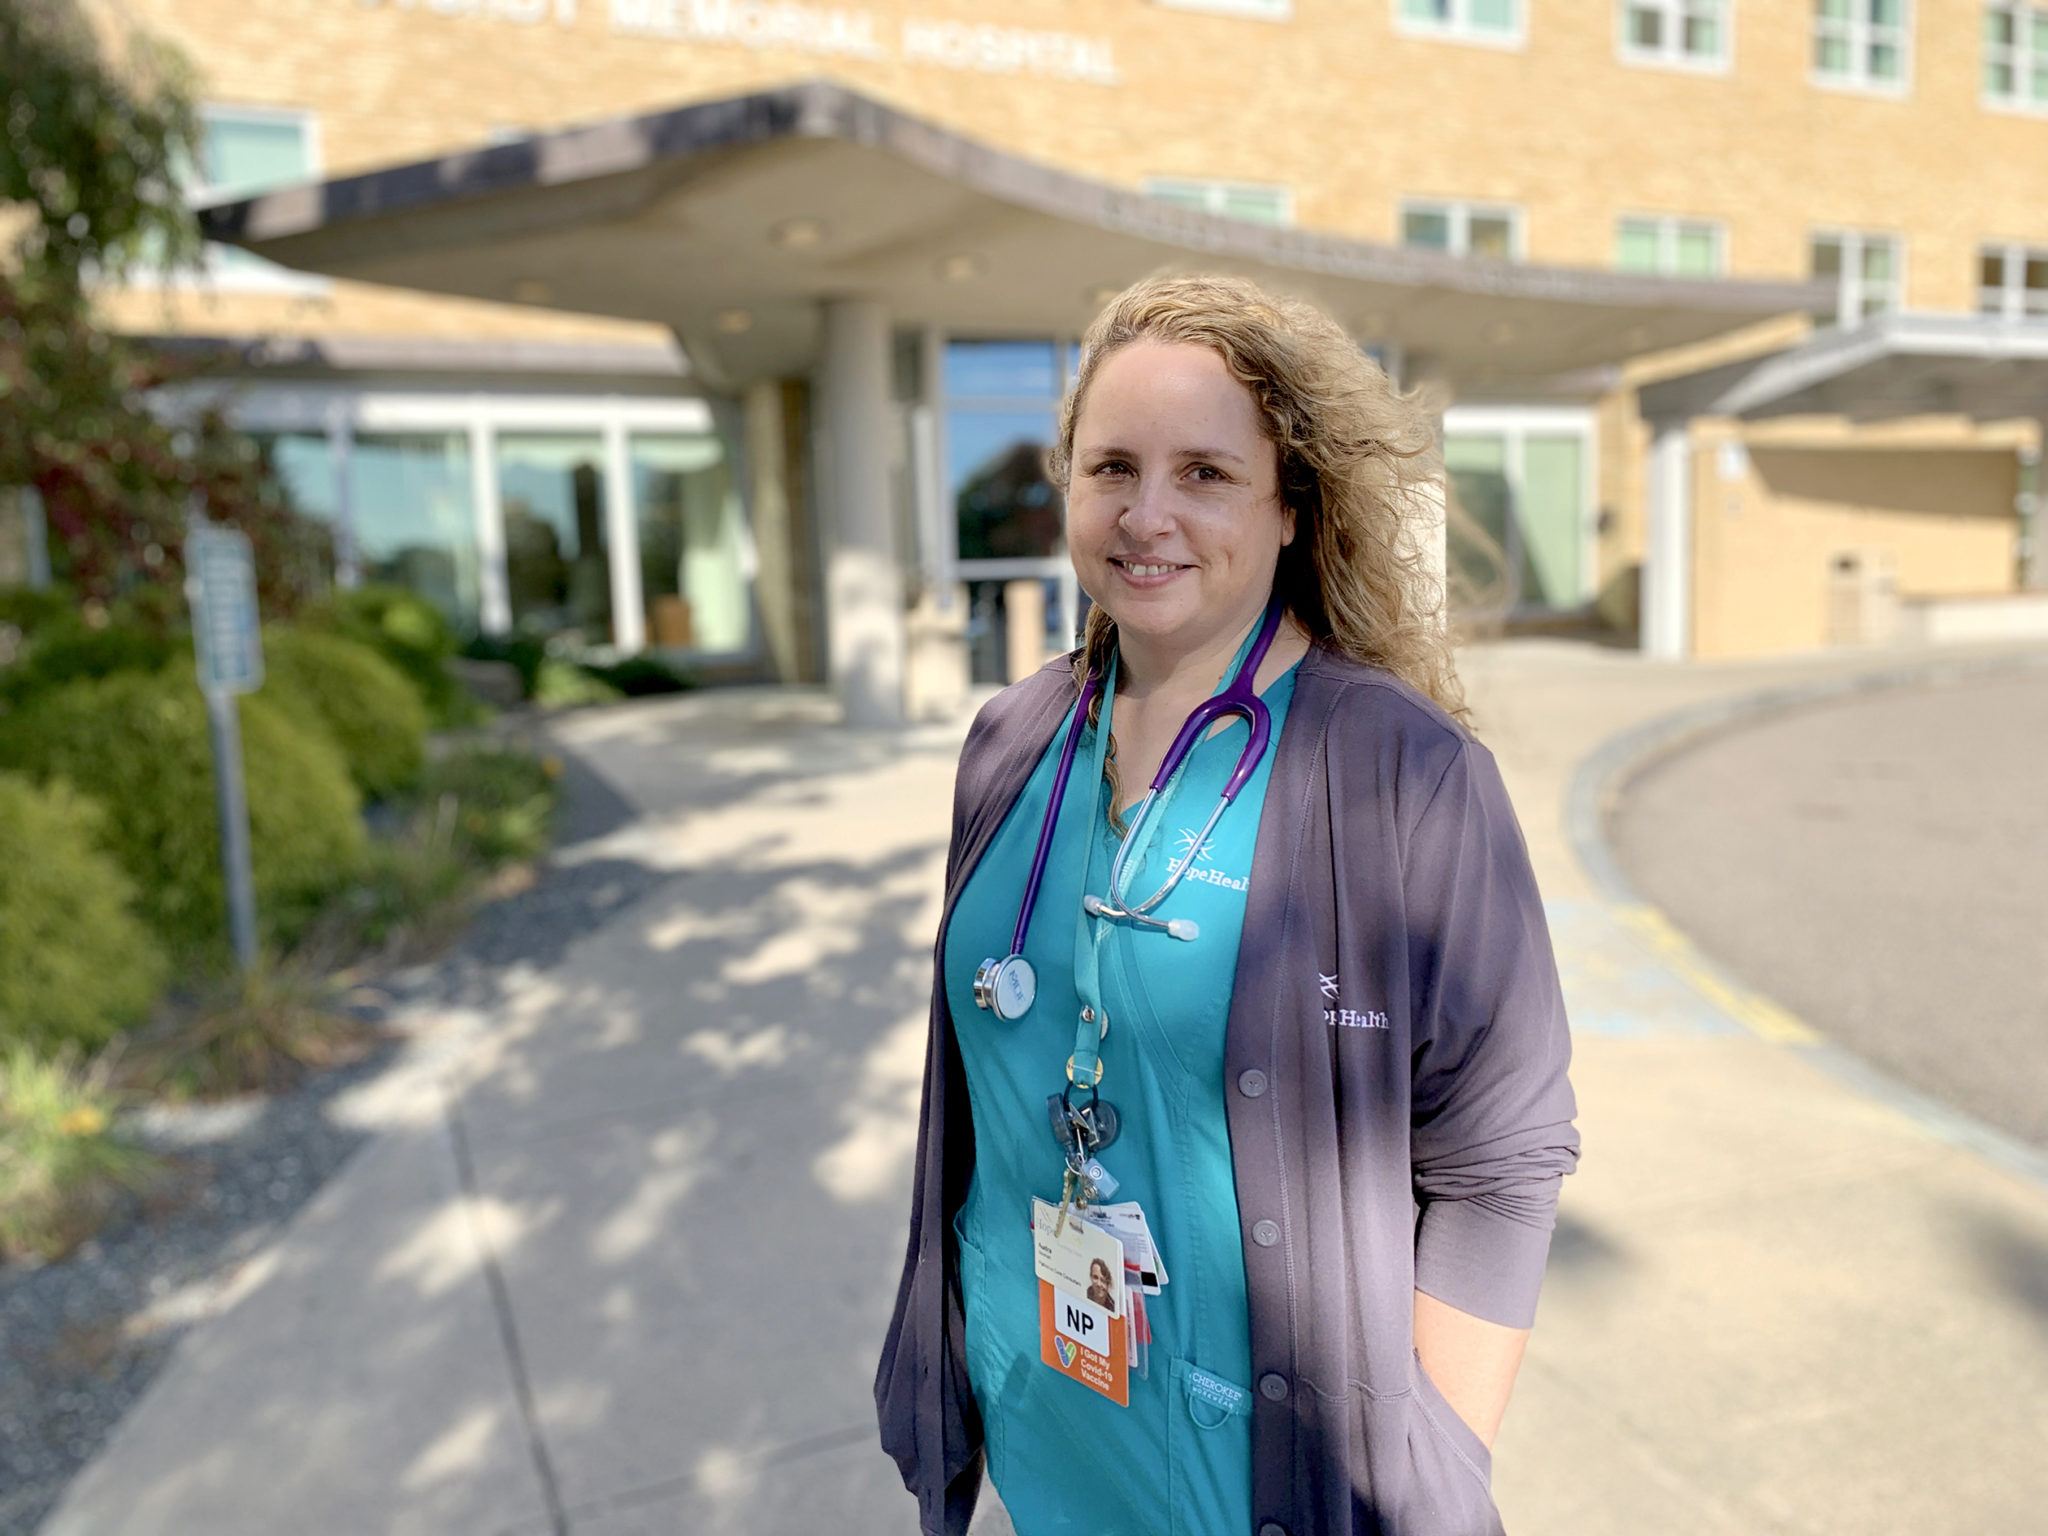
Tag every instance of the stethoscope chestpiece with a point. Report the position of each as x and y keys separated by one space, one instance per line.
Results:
x=1006 y=987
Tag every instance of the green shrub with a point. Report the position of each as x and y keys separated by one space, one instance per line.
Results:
x=525 y=653
x=70 y=649
x=564 y=685
x=640 y=676
x=504 y=801
x=364 y=702
x=76 y=963
x=32 y=609
x=62 y=1166
x=407 y=631
x=137 y=743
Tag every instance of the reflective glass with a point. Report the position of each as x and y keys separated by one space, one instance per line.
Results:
x=999 y=369
x=1551 y=511
x=1256 y=205
x=413 y=517
x=1885 y=13
x=1477 y=534
x=1834 y=10
x=1427 y=10
x=2037 y=30
x=1005 y=506
x=1699 y=252
x=1884 y=61
x=1831 y=55
x=2036 y=277
x=1635 y=246
x=1991 y=269
x=241 y=155
x=1426 y=227
x=557 y=573
x=1877 y=261
x=1999 y=26
x=1493 y=15
x=1492 y=235
x=1703 y=37
x=1827 y=257
x=2040 y=81
x=303 y=465
x=1997 y=77
x=695 y=556
x=1645 y=26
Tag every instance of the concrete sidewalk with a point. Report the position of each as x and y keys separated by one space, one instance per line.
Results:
x=621 y=1255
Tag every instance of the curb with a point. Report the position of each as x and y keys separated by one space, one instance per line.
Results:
x=1604 y=775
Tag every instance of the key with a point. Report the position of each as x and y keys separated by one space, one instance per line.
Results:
x=1066 y=1201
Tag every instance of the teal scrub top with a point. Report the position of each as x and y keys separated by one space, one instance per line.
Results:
x=1064 y=1458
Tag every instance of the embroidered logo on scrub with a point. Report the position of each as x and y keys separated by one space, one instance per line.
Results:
x=1184 y=842
x=1349 y=1018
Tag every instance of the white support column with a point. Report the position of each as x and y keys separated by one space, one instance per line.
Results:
x=1667 y=559
x=863 y=572
x=622 y=533
x=341 y=449
x=494 y=586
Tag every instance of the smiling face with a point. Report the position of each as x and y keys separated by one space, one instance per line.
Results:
x=1174 y=517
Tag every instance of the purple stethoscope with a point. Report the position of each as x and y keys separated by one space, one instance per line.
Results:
x=1007 y=987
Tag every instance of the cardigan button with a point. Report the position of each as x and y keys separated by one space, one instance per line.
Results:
x=1252 y=1083
x=1272 y=1528
x=1265 y=1233
x=1273 y=1387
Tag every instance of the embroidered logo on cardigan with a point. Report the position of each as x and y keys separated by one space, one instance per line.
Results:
x=1357 y=1018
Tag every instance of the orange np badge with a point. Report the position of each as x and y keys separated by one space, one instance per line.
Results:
x=1081 y=1340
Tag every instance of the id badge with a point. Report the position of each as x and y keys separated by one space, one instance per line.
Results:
x=1081 y=1323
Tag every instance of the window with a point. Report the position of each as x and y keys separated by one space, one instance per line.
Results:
x=1001 y=399
x=1254 y=202
x=244 y=151
x=1860 y=43
x=557 y=562
x=2016 y=54
x=2012 y=281
x=1866 y=270
x=1464 y=229
x=1692 y=32
x=1267 y=10
x=414 y=520
x=696 y=555
x=1523 y=479
x=1471 y=21
x=1682 y=247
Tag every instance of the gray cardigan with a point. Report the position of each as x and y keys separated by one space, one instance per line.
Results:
x=1399 y=1112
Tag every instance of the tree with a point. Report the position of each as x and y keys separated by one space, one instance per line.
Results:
x=97 y=124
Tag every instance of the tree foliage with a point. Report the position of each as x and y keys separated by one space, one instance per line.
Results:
x=97 y=126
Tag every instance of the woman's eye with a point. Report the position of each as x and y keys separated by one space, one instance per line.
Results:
x=1207 y=472
x=1111 y=467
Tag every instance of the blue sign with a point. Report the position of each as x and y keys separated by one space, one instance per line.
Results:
x=220 y=581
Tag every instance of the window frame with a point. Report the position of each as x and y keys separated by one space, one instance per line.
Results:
x=1668 y=226
x=2014 y=256
x=1460 y=212
x=1631 y=53
x=2024 y=61
x=1849 y=282
x=1857 y=82
x=1216 y=191
x=1459 y=28
x=224 y=273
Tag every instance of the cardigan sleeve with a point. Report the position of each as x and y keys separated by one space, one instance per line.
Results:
x=1491 y=1132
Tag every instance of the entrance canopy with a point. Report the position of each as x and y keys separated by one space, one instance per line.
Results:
x=1980 y=366
x=731 y=220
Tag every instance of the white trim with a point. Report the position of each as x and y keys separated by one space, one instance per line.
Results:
x=493 y=576
x=1667 y=555
x=622 y=527
x=1860 y=34
x=1460 y=212
x=1674 y=57
x=1459 y=28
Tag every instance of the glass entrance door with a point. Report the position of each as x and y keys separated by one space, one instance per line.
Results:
x=557 y=569
x=1520 y=480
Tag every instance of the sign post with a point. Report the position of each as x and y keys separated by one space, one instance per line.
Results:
x=220 y=583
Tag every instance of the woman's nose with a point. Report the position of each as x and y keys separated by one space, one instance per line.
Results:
x=1146 y=515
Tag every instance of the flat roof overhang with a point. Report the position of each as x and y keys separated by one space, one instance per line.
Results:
x=684 y=217
x=1891 y=366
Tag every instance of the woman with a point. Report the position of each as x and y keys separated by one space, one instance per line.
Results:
x=1327 y=1064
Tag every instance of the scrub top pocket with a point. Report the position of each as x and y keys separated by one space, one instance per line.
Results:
x=1203 y=1431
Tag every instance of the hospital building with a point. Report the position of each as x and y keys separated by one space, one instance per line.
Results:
x=734 y=329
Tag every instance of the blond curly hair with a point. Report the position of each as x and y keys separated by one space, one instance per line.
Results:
x=1359 y=466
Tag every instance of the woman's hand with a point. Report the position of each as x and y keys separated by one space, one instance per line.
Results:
x=1473 y=1362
